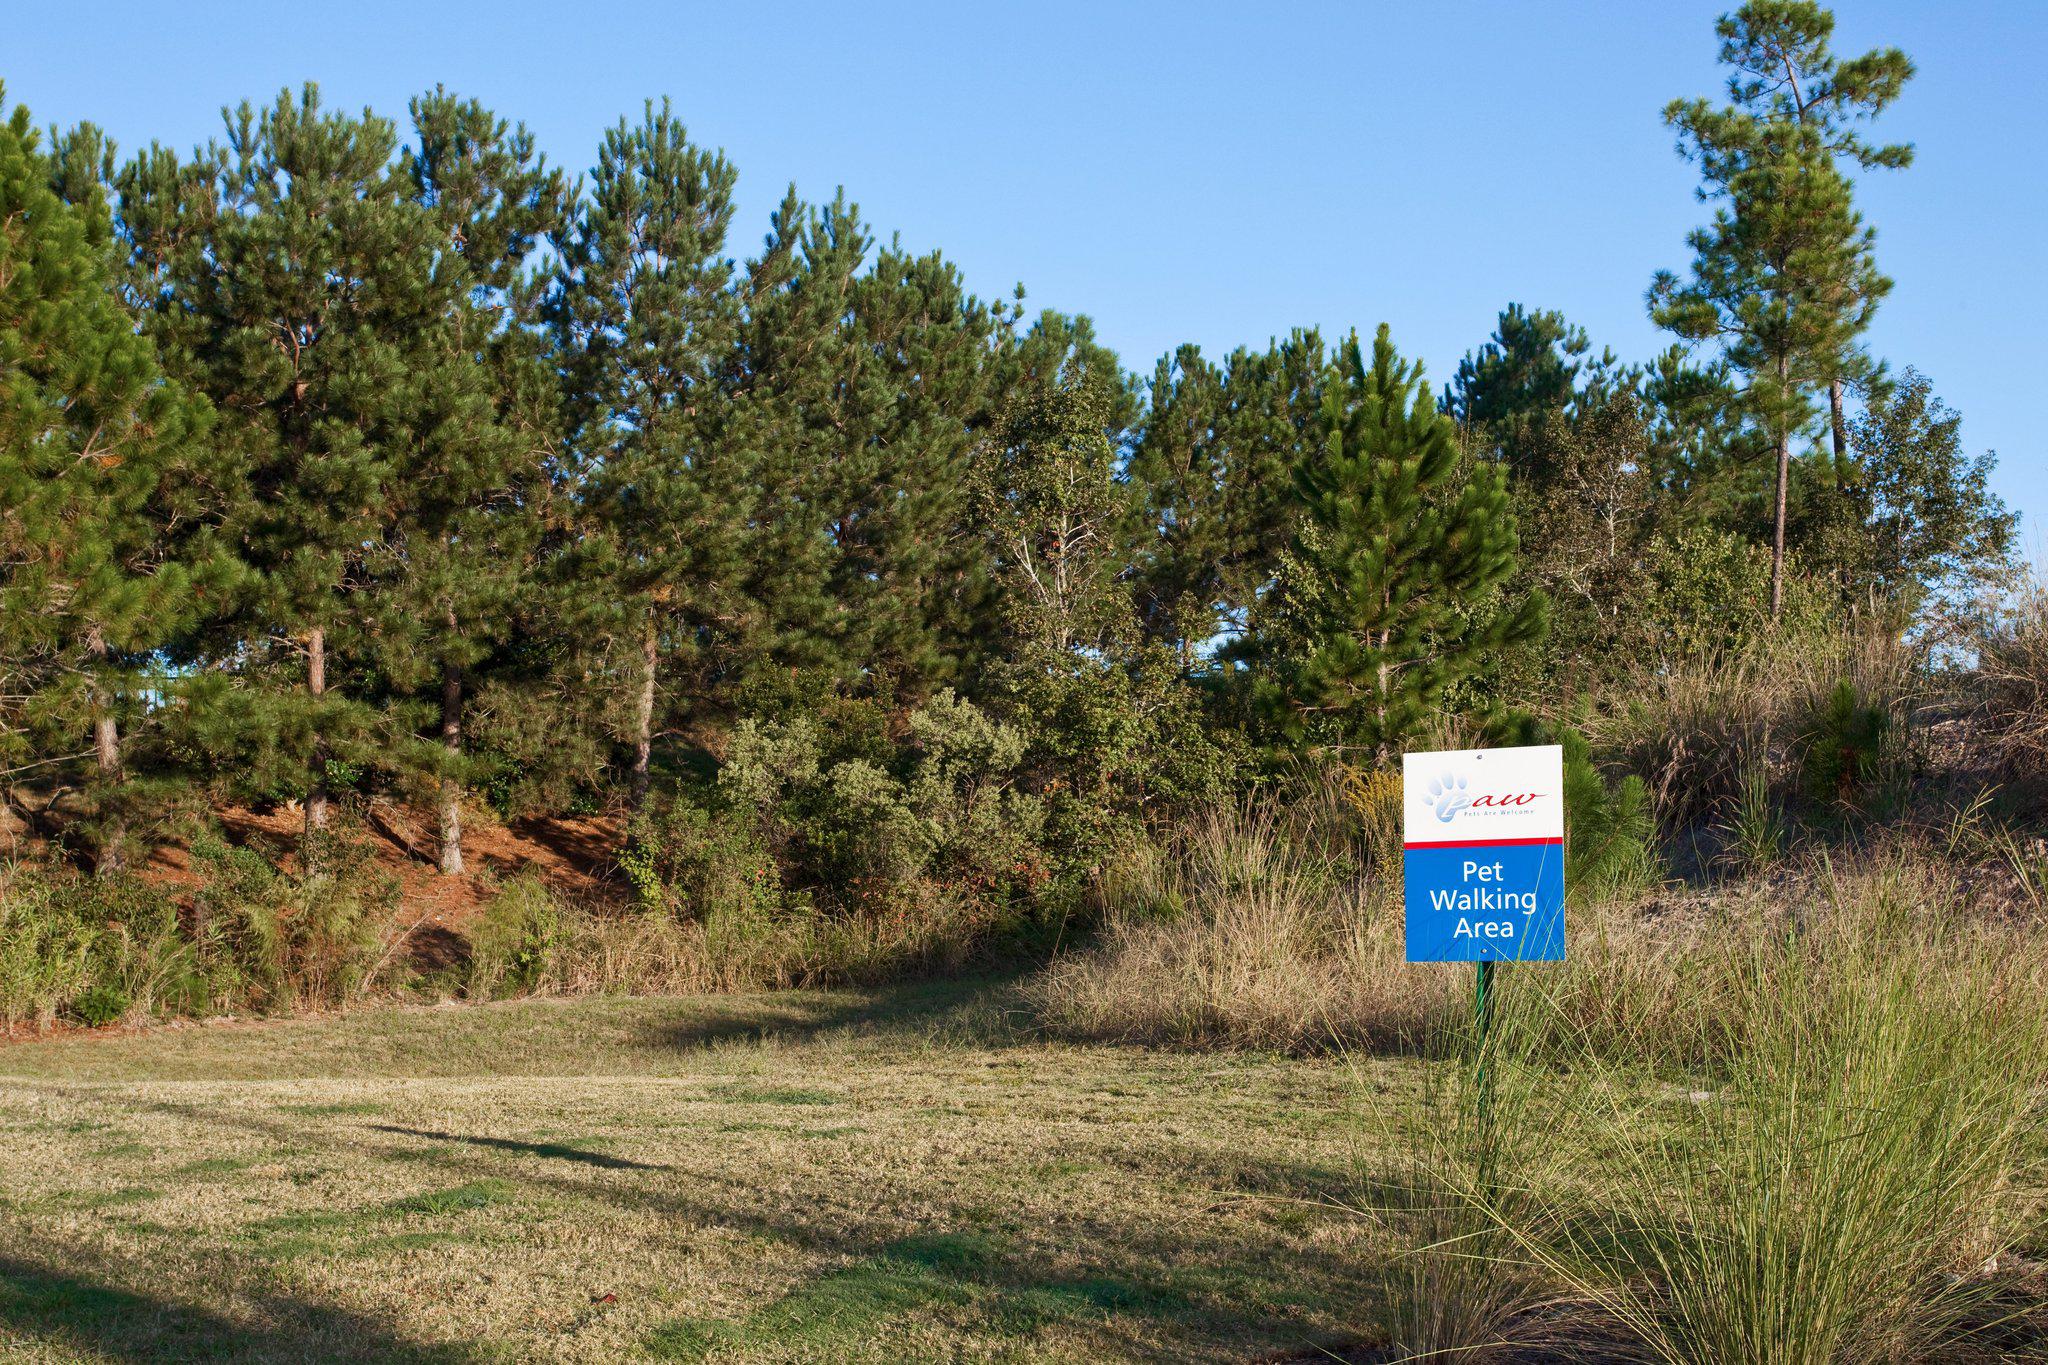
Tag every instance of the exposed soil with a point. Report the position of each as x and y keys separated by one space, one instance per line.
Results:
x=571 y=854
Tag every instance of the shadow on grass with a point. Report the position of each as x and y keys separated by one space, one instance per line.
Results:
x=980 y=1009
x=554 y=1150
x=121 y=1324
x=1143 y=1289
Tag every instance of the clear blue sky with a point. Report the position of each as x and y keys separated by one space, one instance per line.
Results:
x=1215 y=173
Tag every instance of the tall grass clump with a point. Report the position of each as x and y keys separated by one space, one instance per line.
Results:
x=1697 y=729
x=1249 y=931
x=1826 y=1187
x=1487 y=1139
x=2012 y=681
x=528 y=941
x=277 y=938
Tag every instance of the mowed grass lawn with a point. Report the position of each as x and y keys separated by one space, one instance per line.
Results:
x=882 y=1176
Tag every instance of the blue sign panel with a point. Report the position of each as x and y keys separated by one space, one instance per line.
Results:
x=1485 y=902
x=1483 y=854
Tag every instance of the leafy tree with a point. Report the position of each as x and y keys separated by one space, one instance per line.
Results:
x=1917 y=523
x=1110 y=729
x=1784 y=279
x=646 y=313
x=106 y=498
x=1390 y=596
x=1049 y=509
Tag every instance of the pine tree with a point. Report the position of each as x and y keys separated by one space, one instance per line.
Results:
x=105 y=484
x=462 y=529
x=1210 y=469
x=1536 y=372
x=290 y=276
x=906 y=569
x=1389 y=596
x=646 y=313
x=794 y=380
x=1179 y=472
x=1784 y=279
x=866 y=378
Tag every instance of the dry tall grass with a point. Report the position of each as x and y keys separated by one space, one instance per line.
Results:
x=1244 y=933
x=2012 y=681
x=1695 y=731
x=530 y=942
x=1786 y=1122
x=1837 y=1185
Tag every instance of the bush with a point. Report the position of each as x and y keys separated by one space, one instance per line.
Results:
x=1847 y=750
x=92 y=949
x=104 y=1003
x=825 y=818
x=512 y=940
x=279 y=939
x=1696 y=731
x=1708 y=594
x=47 y=949
x=1610 y=829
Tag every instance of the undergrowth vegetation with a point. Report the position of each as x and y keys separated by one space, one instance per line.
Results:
x=1783 y=1102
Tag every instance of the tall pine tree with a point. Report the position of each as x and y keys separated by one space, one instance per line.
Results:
x=1390 y=595
x=1210 y=469
x=107 y=494
x=290 y=274
x=646 y=312
x=463 y=527
x=1784 y=279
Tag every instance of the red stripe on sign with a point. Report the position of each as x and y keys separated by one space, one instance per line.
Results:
x=1486 y=843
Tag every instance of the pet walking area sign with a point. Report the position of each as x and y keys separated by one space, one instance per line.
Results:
x=1483 y=854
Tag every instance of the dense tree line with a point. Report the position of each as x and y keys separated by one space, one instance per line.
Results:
x=339 y=457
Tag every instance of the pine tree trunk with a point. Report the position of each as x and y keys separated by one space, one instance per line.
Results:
x=451 y=789
x=316 y=687
x=106 y=750
x=1778 y=520
x=1839 y=425
x=1778 y=527
x=643 y=714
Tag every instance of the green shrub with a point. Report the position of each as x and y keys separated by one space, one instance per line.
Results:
x=890 y=830
x=104 y=1003
x=685 y=860
x=1707 y=592
x=1847 y=749
x=292 y=939
x=94 y=949
x=47 y=948
x=1610 y=829
x=511 y=940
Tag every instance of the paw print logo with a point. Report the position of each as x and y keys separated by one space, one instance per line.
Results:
x=1447 y=796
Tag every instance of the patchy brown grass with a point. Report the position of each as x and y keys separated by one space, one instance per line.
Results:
x=814 y=1176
